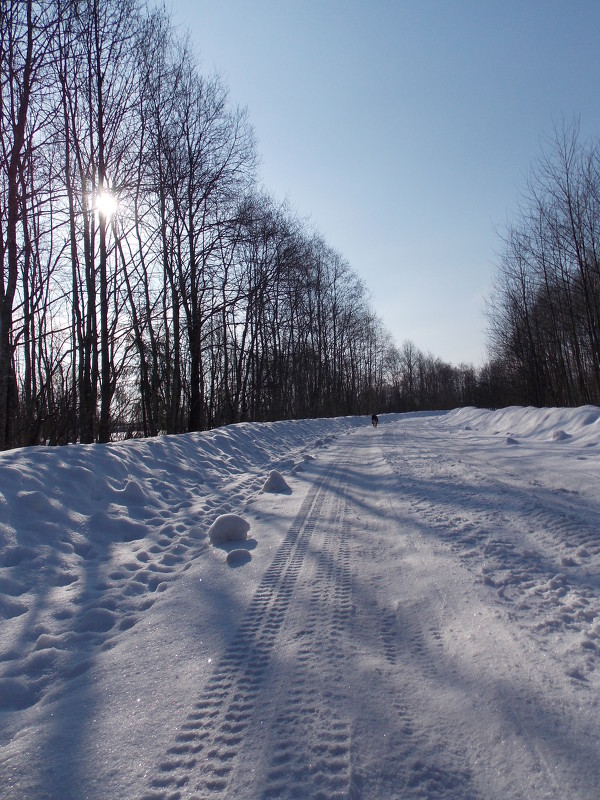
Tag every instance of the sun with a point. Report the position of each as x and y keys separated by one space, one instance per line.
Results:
x=106 y=204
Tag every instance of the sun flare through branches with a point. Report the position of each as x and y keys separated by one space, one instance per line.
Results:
x=106 y=204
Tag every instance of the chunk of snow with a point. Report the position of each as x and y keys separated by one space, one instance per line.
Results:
x=275 y=483
x=229 y=528
x=239 y=557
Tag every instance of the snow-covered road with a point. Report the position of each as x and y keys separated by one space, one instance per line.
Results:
x=418 y=616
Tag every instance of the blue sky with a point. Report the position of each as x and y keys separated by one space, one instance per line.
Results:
x=404 y=129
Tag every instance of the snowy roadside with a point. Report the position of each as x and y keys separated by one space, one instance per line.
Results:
x=90 y=538
x=418 y=616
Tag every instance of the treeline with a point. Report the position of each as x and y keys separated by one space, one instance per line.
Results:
x=197 y=300
x=545 y=310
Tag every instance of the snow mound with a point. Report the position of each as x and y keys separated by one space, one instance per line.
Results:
x=276 y=483
x=229 y=528
x=239 y=557
x=579 y=426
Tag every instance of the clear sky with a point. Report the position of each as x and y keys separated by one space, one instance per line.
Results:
x=404 y=129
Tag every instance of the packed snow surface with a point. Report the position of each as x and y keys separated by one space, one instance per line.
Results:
x=417 y=615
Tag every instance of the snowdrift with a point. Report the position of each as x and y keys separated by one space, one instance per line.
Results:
x=579 y=425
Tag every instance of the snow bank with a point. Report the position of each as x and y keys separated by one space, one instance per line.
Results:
x=577 y=425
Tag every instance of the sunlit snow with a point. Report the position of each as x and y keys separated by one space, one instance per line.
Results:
x=306 y=609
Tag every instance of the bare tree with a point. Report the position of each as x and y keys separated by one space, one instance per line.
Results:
x=26 y=38
x=200 y=301
x=545 y=316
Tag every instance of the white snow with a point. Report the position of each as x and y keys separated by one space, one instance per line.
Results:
x=228 y=528
x=275 y=483
x=416 y=616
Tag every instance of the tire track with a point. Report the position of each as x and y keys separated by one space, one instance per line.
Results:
x=327 y=689
x=201 y=760
x=310 y=757
x=484 y=535
x=500 y=535
x=407 y=758
x=372 y=662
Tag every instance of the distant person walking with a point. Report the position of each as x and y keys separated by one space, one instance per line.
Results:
x=374 y=420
